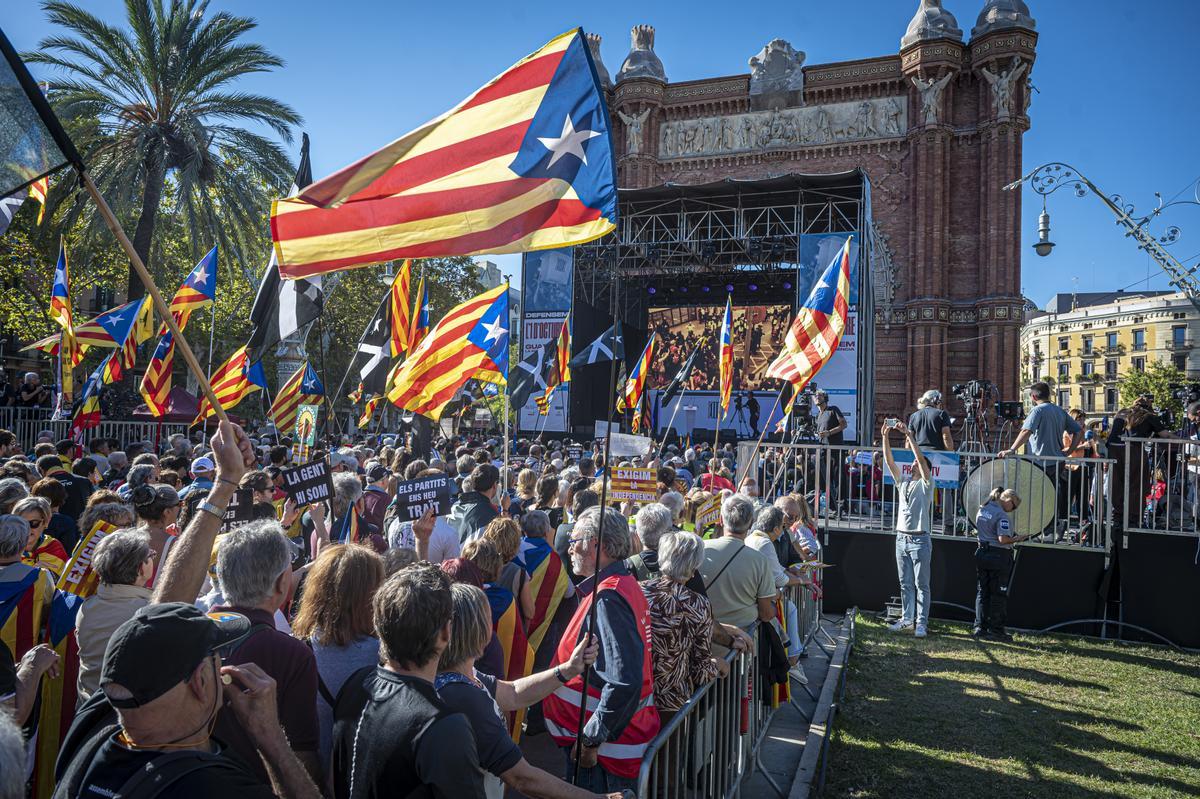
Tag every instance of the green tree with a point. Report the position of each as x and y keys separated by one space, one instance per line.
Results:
x=1155 y=381
x=154 y=110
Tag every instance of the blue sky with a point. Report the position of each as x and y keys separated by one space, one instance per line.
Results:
x=1118 y=97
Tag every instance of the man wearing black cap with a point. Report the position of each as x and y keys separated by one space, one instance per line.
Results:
x=376 y=496
x=162 y=672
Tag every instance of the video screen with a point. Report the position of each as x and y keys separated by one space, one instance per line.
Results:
x=758 y=331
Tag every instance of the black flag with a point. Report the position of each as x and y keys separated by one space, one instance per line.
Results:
x=530 y=375
x=610 y=346
x=283 y=307
x=8 y=209
x=677 y=382
x=376 y=345
x=32 y=141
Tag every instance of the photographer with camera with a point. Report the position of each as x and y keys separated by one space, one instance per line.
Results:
x=914 y=531
x=1133 y=469
x=33 y=394
x=1045 y=430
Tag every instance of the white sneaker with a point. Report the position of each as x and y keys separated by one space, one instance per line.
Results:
x=920 y=632
x=900 y=626
x=797 y=674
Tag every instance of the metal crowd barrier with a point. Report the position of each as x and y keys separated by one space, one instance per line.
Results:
x=1162 y=489
x=847 y=487
x=28 y=423
x=711 y=744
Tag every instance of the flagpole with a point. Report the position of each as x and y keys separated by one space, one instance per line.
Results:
x=762 y=435
x=608 y=472
x=212 y=332
x=160 y=305
x=717 y=434
x=328 y=400
x=671 y=423
x=507 y=404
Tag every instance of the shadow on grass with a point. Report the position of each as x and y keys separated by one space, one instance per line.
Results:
x=947 y=718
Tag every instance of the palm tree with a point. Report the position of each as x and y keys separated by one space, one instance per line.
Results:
x=157 y=118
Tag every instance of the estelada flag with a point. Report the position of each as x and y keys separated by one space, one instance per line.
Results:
x=24 y=604
x=524 y=163
x=636 y=383
x=817 y=331
x=518 y=656
x=470 y=342
x=233 y=381
x=548 y=583
x=398 y=296
x=302 y=388
x=726 y=355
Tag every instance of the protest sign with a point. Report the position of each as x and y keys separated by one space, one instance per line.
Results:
x=308 y=482
x=602 y=428
x=414 y=497
x=239 y=510
x=709 y=513
x=943 y=465
x=575 y=453
x=625 y=445
x=637 y=485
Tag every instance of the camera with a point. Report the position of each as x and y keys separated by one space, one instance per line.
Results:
x=972 y=389
x=1012 y=410
x=1185 y=393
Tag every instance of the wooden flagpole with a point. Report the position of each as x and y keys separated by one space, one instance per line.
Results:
x=160 y=304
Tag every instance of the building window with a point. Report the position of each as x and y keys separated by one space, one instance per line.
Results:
x=1112 y=341
x=1037 y=348
x=1179 y=362
x=1110 y=399
x=1178 y=335
x=1139 y=340
x=1064 y=343
x=1037 y=373
x=1110 y=370
x=1089 y=399
x=1064 y=372
x=1064 y=398
x=1089 y=368
x=1139 y=364
x=1087 y=345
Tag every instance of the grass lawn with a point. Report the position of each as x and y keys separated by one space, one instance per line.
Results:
x=1042 y=717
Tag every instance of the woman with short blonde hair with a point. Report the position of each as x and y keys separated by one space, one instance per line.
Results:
x=505 y=534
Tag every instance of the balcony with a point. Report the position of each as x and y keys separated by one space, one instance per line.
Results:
x=1118 y=349
x=1139 y=347
x=1088 y=377
x=1179 y=346
x=1088 y=352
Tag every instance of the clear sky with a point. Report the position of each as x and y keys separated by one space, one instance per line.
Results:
x=1118 y=96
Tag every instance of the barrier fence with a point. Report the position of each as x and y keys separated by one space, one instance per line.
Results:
x=1162 y=492
x=29 y=423
x=710 y=745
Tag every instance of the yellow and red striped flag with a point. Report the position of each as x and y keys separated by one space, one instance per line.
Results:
x=399 y=299
x=233 y=381
x=524 y=163
x=560 y=367
x=60 y=308
x=817 y=331
x=470 y=342
x=198 y=290
x=636 y=383
x=302 y=388
x=39 y=190
x=419 y=324
x=368 y=411
x=726 y=355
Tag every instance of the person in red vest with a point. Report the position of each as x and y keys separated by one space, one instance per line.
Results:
x=621 y=718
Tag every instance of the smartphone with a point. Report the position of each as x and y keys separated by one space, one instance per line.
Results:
x=891 y=423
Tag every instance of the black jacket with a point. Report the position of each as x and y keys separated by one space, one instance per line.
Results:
x=474 y=511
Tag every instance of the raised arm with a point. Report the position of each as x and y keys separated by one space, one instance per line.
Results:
x=889 y=462
x=182 y=575
x=920 y=462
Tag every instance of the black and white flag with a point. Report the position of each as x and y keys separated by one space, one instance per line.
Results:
x=375 y=344
x=8 y=209
x=282 y=307
x=610 y=346
x=678 y=382
x=529 y=377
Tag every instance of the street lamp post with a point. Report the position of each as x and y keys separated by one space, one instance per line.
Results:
x=1049 y=178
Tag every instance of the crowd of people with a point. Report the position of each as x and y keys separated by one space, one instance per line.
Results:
x=284 y=656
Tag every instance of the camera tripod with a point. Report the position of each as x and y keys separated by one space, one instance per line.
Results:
x=974 y=429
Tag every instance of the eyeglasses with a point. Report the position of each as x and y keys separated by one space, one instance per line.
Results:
x=580 y=539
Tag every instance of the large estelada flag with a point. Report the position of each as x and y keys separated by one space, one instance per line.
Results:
x=524 y=163
x=817 y=330
x=726 y=355
x=548 y=583
x=302 y=388
x=518 y=655
x=470 y=342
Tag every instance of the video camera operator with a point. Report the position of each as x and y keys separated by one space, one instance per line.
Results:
x=1137 y=421
x=33 y=394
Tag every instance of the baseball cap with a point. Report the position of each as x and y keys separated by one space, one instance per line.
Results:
x=377 y=472
x=162 y=645
x=202 y=464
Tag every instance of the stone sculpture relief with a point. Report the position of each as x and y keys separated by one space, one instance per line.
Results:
x=777 y=67
x=879 y=118
x=633 y=130
x=931 y=96
x=1002 y=83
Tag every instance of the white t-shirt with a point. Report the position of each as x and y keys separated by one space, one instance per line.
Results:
x=764 y=545
x=443 y=543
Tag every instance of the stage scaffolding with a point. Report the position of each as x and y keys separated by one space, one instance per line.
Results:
x=743 y=233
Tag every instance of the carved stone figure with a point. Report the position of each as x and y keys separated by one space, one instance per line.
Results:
x=891 y=116
x=931 y=96
x=823 y=127
x=633 y=130
x=593 y=41
x=1002 y=85
x=777 y=67
x=642 y=62
x=862 y=127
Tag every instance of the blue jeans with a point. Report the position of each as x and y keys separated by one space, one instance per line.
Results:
x=913 y=556
x=596 y=779
x=795 y=642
